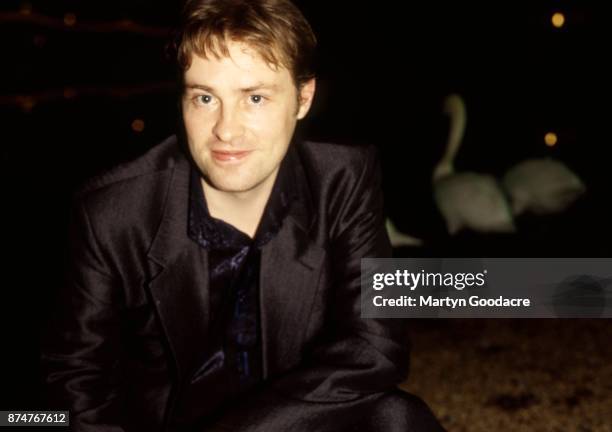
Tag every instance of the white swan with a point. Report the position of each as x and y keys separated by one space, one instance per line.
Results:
x=467 y=200
x=542 y=186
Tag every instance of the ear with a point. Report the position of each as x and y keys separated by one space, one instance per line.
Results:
x=305 y=97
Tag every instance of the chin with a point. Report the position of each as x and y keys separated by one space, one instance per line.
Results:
x=224 y=185
x=232 y=188
x=243 y=179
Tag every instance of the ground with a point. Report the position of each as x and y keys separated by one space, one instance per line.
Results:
x=514 y=375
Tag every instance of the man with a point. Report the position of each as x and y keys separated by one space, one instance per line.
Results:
x=214 y=281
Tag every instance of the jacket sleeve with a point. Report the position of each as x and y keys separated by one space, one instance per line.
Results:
x=81 y=346
x=362 y=359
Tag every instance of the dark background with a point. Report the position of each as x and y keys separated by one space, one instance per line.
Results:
x=71 y=95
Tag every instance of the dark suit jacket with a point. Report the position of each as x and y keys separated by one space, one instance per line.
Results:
x=130 y=325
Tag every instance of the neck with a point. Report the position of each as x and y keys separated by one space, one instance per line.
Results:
x=243 y=209
x=455 y=108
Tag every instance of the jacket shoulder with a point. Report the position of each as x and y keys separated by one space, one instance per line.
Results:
x=126 y=201
x=160 y=157
x=339 y=177
x=327 y=160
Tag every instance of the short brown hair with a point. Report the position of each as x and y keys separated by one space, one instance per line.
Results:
x=276 y=29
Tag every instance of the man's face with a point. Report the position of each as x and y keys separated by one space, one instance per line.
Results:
x=239 y=116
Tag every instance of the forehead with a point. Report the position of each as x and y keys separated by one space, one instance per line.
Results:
x=244 y=67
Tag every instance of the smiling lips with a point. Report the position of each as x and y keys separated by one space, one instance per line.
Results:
x=227 y=156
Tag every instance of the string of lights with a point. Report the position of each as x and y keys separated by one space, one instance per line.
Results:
x=70 y=22
x=28 y=101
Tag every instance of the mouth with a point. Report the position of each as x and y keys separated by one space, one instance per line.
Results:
x=230 y=156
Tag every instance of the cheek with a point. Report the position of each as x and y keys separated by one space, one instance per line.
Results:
x=189 y=119
x=272 y=122
x=196 y=125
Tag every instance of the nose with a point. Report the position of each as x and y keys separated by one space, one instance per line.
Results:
x=228 y=125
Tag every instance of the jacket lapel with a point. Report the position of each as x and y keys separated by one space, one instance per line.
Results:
x=179 y=282
x=290 y=270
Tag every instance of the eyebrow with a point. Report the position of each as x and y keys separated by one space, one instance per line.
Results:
x=258 y=86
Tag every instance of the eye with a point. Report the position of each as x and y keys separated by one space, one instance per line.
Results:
x=203 y=99
x=256 y=99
